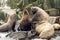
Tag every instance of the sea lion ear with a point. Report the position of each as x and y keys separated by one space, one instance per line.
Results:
x=25 y=12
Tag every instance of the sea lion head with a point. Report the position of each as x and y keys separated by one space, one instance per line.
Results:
x=34 y=10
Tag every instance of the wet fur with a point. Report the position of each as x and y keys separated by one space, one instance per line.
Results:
x=25 y=24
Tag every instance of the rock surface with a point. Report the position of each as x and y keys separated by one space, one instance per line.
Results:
x=17 y=35
x=23 y=35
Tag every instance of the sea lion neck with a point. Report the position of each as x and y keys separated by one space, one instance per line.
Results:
x=12 y=19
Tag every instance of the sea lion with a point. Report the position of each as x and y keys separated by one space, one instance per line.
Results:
x=25 y=21
x=39 y=16
x=40 y=22
x=10 y=24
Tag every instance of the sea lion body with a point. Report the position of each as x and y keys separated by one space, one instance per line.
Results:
x=40 y=22
x=40 y=15
x=10 y=24
x=25 y=22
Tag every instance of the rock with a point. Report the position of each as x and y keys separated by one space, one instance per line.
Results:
x=4 y=38
x=17 y=35
x=1 y=22
x=56 y=38
x=3 y=34
x=38 y=39
x=52 y=19
x=17 y=25
x=52 y=12
x=30 y=34
x=57 y=32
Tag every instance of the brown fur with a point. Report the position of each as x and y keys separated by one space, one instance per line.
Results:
x=56 y=26
x=40 y=22
x=10 y=24
x=44 y=29
x=25 y=21
x=39 y=15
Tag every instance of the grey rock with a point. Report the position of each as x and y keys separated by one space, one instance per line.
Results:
x=31 y=34
x=17 y=35
x=38 y=39
x=5 y=38
x=1 y=22
x=56 y=38
x=17 y=25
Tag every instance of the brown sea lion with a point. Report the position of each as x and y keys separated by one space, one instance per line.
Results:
x=10 y=24
x=39 y=15
x=40 y=22
x=25 y=21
